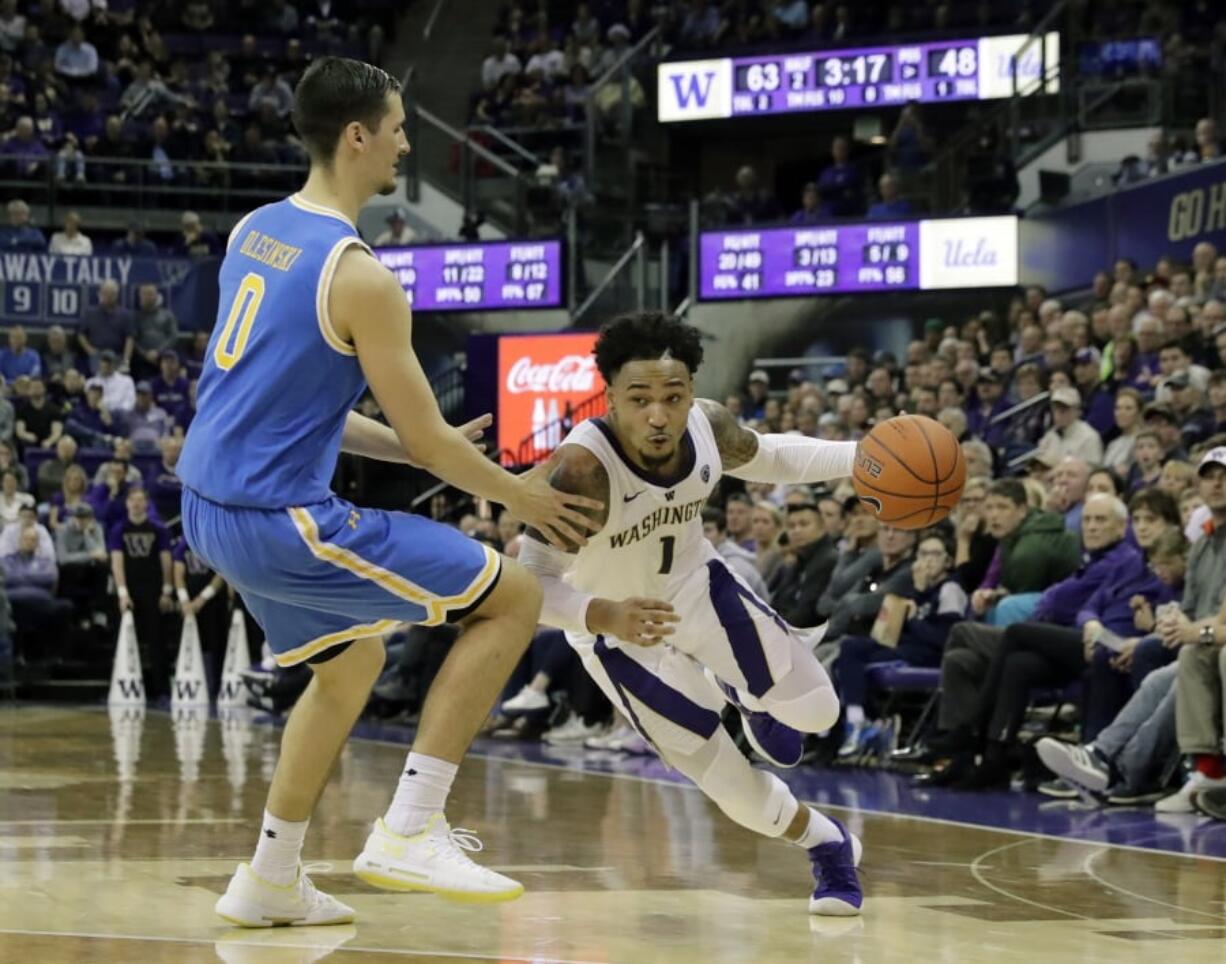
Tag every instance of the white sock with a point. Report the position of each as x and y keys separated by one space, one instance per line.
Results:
x=422 y=791
x=820 y=830
x=855 y=715
x=279 y=850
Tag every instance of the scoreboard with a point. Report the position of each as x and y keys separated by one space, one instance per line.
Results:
x=861 y=77
x=481 y=276
x=842 y=258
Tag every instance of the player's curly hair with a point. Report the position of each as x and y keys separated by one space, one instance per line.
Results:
x=646 y=335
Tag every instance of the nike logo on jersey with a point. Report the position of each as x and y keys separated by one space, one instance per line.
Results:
x=631 y=498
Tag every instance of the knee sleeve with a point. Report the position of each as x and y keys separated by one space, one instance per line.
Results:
x=804 y=699
x=757 y=800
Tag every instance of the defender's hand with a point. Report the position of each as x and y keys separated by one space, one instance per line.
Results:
x=475 y=429
x=555 y=515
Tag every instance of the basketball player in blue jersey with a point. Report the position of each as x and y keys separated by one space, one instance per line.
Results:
x=307 y=319
x=664 y=627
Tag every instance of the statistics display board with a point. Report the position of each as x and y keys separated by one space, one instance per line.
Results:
x=481 y=276
x=859 y=77
x=792 y=262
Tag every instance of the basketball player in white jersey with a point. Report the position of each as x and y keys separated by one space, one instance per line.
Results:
x=663 y=626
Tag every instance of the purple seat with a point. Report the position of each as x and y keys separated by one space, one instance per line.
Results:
x=900 y=676
x=897 y=678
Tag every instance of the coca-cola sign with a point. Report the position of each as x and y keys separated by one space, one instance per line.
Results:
x=542 y=381
x=571 y=373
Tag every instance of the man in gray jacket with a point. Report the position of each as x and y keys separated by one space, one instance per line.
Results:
x=156 y=330
x=80 y=549
x=859 y=582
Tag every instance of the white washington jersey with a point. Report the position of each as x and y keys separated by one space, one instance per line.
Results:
x=653 y=537
x=652 y=545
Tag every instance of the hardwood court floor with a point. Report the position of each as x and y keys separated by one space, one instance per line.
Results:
x=117 y=835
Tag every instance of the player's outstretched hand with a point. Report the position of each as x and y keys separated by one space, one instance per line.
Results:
x=556 y=515
x=644 y=622
x=475 y=429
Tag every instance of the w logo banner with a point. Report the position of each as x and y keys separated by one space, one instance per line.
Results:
x=232 y=692
x=695 y=90
x=127 y=683
x=188 y=687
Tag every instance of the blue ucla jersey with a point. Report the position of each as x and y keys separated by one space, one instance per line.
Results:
x=277 y=382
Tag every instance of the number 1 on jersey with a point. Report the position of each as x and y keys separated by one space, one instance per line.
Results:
x=242 y=316
x=668 y=543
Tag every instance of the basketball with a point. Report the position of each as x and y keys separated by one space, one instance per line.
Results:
x=910 y=471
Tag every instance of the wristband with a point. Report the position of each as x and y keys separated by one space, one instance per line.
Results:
x=183 y=596
x=208 y=593
x=123 y=592
x=167 y=589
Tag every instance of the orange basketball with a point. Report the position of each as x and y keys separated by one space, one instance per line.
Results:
x=910 y=471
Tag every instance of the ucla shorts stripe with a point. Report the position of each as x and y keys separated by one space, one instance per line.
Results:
x=320 y=575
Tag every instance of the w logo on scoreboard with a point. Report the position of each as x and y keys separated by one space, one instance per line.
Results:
x=695 y=90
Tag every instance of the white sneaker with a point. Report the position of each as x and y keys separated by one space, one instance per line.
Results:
x=633 y=744
x=1183 y=800
x=431 y=860
x=251 y=901
x=851 y=740
x=1076 y=764
x=574 y=730
x=606 y=740
x=527 y=700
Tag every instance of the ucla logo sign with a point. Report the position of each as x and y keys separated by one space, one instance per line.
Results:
x=695 y=90
x=968 y=252
x=1196 y=212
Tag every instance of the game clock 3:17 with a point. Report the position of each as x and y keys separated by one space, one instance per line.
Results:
x=857 y=71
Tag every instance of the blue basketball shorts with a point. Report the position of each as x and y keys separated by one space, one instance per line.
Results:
x=318 y=576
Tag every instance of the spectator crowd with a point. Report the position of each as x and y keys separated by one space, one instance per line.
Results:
x=165 y=95
x=91 y=427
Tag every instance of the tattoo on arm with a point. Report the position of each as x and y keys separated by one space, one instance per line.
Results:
x=737 y=444
x=579 y=472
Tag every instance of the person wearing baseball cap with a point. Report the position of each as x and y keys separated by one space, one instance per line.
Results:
x=1196 y=422
x=757 y=387
x=1097 y=400
x=1069 y=433
x=1162 y=420
x=1201 y=644
x=398 y=230
x=989 y=401
x=934 y=330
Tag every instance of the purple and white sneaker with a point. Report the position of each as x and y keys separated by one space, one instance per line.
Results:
x=775 y=742
x=838 y=892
